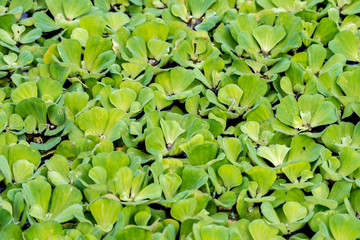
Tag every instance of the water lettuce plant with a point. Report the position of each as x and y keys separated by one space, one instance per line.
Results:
x=179 y=119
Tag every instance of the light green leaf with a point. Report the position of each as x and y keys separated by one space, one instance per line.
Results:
x=268 y=36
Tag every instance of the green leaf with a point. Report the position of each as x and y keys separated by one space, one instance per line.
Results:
x=151 y=30
x=37 y=194
x=268 y=36
x=25 y=90
x=170 y=183
x=111 y=162
x=94 y=119
x=304 y=148
x=227 y=199
x=76 y=101
x=267 y=231
x=274 y=153
x=74 y=9
x=252 y=87
x=94 y=25
x=20 y=151
x=199 y=7
x=133 y=233
x=294 y=211
x=123 y=98
x=81 y=35
x=3 y=120
x=202 y=154
x=171 y=130
x=5 y=169
x=179 y=10
x=23 y=170
x=295 y=170
x=316 y=57
x=180 y=79
x=287 y=110
x=98 y=54
x=213 y=232
x=115 y=20
x=151 y=192
x=55 y=7
x=137 y=46
x=350 y=161
x=183 y=209
x=105 y=211
x=123 y=181
x=31 y=36
x=290 y=6
x=44 y=230
x=230 y=175
x=269 y=212
x=158 y=48
x=59 y=72
x=340 y=191
x=43 y=21
x=193 y=178
x=348 y=83
x=232 y=148
x=49 y=90
x=343 y=226
x=70 y=52
x=155 y=143
x=63 y=198
x=264 y=177
x=345 y=43
x=230 y=95
x=325 y=114
x=325 y=30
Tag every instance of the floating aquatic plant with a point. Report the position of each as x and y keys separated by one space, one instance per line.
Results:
x=179 y=119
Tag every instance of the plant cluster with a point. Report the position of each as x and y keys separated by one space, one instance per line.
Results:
x=179 y=119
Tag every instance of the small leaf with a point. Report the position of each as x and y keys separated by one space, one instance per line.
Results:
x=231 y=175
x=268 y=36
